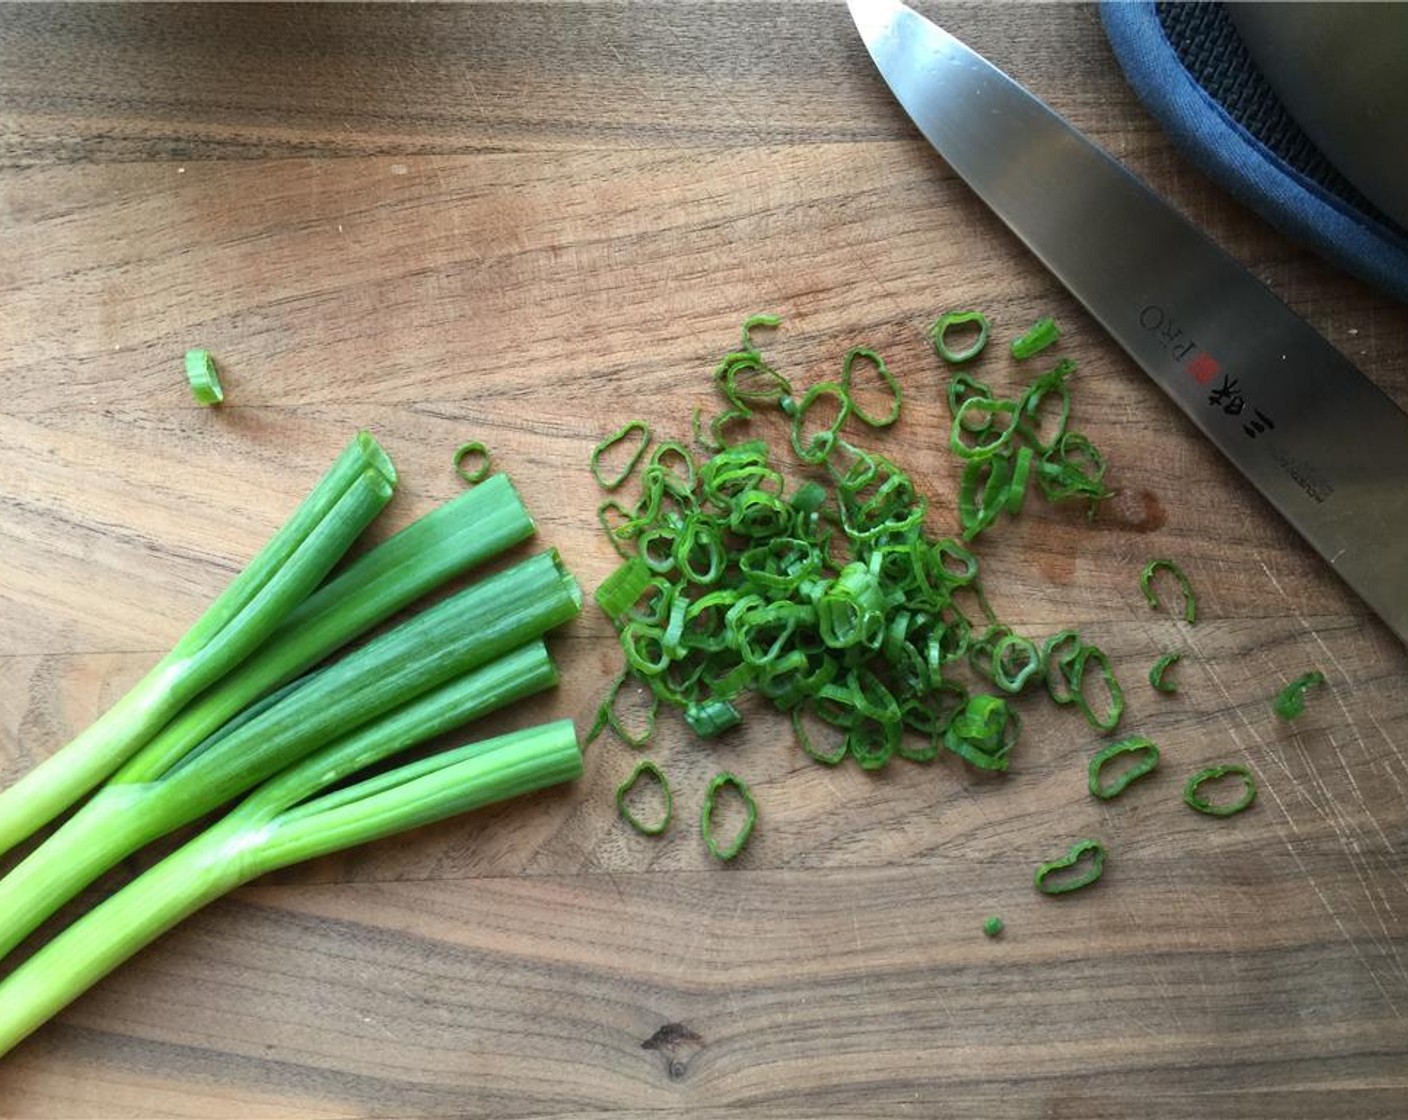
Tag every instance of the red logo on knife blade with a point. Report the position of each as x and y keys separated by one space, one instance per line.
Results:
x=1204 y=367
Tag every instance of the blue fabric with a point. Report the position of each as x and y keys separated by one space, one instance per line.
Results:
x=1353 y=237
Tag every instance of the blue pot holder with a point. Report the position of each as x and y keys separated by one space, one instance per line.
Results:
x=1190 y=68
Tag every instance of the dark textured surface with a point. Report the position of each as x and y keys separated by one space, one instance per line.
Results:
x=1211 y=50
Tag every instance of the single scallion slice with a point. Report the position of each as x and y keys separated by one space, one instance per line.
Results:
x=608 y=716
x=1109 y=719
x=1158 y=672
x=1060 y=656
x=815 y=448
x=983 y=732
x=635 y=434
x=646 y=769
x=888 y=379
x=711 y=717
x=1146 y=582
x=203 y=377
x=1066 y=880
x=957 y=322
x=1290 y=701
x=1039 y=336
x=1147 y=761
x=473 y=461
x=1193 y=791
x=753 y=322
x=620 y=591
x=717 y=784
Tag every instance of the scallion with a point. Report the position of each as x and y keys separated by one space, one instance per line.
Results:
x=958 y=321
x=717 y=784
x=1038 y=337
x=1290 y=701
x=473 y=462
x=887 y=379
x=1090 y=852
x=448 y=541
x=158 y=794
x=1158 y=672
x=203 y=377
x=285 y=821
x=636 y=435
x=241 y=620
x=1193 y=791
x=1146 y=581
x=646 y=769
x=1147 y=761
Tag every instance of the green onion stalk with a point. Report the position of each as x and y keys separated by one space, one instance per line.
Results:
x=157 y=792
x=281 y=823
x=445 y=543
x=452 y=539
x=290 y=566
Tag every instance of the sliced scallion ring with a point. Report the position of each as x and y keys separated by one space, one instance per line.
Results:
x=1093 y=849
x=203 y=377
x=1148 y=760
x=645 y=769
x=717 y=784
x=1193 y=795
x=476 y=453
x=957 y=320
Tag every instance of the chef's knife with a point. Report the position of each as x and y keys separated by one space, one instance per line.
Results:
x=1312 y=433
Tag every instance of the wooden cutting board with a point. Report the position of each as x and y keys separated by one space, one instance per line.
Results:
x=523 y=223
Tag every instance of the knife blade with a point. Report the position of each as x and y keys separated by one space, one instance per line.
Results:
x=1317 y=438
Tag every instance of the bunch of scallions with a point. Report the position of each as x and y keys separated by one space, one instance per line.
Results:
x=249 y=703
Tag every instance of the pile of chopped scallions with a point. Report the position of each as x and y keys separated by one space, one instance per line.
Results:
x=248 y=705
x=829 y=596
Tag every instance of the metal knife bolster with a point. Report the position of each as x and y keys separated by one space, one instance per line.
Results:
x=1313 y=434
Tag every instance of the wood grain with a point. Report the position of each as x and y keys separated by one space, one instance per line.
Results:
x=518 y=222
